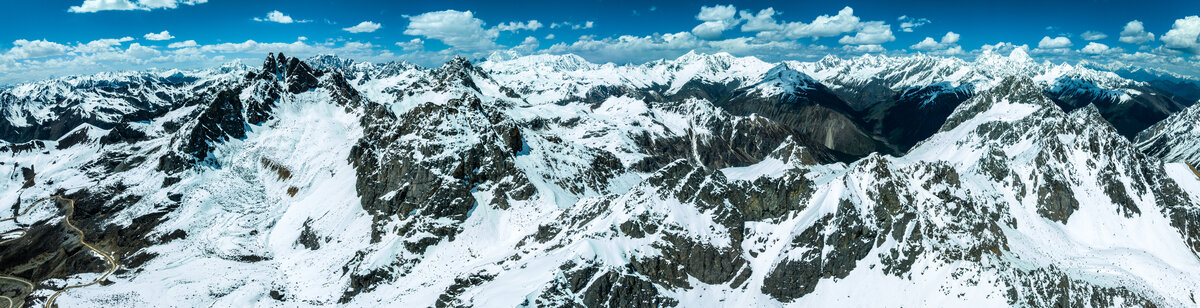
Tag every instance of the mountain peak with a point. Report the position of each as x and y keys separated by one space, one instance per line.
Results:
x=328 y=61
x=693 y=56
x=1019 y=55
x=1020 y=90
x=458 y=62
x=502 y=55
x=298 y=75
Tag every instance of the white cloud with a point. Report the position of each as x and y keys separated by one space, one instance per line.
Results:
x=183 y=44
x=460 y=30
x=550 y=36
x=25 y=49
x=531 y=25
x=168 y=4
x=161 y=36
x=366 y=26
x=92 y=6
x=927 y=44
x=949 y=42
x=825 y=25
x=950 y=38
x=1094 y=48
x=871 y=33
x=711 y=30
x=907 y=24
x=628 y=48
x=137 y=51
x=845 y=22
x=1005 y=48
x=1184 y=35
x=412 y=45
x=1054 y=43
x=529 y=45
x=574 y=26
x=1093 y=35
x=100 y=45
x=280 y=17
x=716 y=13
x=1135 y=33
x=716 y=19
x=763 y=21
x=358 y=45
x=864 y=48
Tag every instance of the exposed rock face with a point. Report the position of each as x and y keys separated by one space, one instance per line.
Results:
x=422 y=166
x=1175 y=139
x=685 y=182
x=222 y=119
x=1128 y=114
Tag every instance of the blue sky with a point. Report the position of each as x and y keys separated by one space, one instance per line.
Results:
x=53 y=38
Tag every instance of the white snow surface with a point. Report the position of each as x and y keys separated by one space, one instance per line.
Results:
x=243 y=208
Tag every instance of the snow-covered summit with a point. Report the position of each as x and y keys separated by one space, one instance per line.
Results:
x=546 y=180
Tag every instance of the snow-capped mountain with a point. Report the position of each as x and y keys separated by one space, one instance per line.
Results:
x=1176 y=139
x=892 y=90
x=545 y=180
x=48 y=109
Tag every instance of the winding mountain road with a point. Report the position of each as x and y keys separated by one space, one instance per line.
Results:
x=66 y=219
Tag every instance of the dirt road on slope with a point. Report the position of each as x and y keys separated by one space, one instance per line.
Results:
x=70 y=210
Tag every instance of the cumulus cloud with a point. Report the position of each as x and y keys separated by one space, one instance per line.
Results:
x=92 y=6
x=927 y=44
x=864 y=48
x=1013 y=50
x=100 y=45
x=1184 y=35
x=137 y=51
x=550 y=36
x=716 y=19
x=183 y=44
x=458 y=29
x=628 y=48
x=366 y=26
x=950 y=38
x=948 y=42
x=763 y=21
x=716 y=13
x=1094 y=48
x=635 y=49
x=529 y=45
x=279 y=17
x=907 y=24
x=412 y=45
x=711 y=30
x=573 y=26
x=1135 y=33
x=1093 y=35
x=1054 y=43
x=871 y=33
x=25 y=49
x=161 y=36
x=531 y=25
x=825 y=25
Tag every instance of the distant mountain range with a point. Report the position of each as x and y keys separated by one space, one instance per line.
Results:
x=547 y=180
